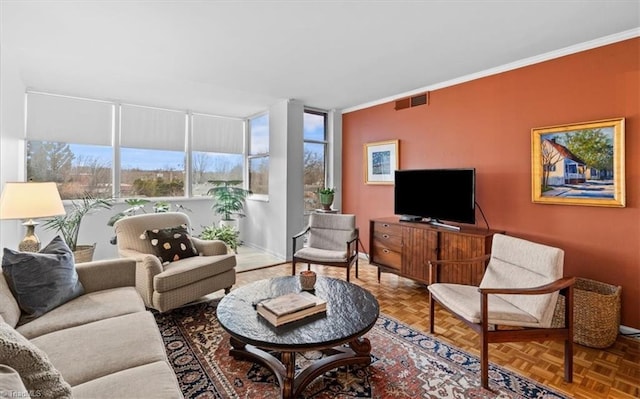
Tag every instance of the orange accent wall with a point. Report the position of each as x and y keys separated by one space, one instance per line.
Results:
x=486 y=124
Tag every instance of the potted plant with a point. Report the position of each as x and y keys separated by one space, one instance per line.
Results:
x=69 y=225
x=326 y=197
x=225 y=233
x=228 y=199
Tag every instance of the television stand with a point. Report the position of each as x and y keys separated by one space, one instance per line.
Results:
x=437 y=223
x=405 y=249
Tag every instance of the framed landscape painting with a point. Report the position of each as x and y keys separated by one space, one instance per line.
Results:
x=579 y=164
x=380 y=162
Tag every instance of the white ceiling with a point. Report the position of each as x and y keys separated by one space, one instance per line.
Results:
x=236 y=58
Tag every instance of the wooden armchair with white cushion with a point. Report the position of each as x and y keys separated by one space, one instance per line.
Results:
x=332 y=240
x=520 y=290
x=172 y=267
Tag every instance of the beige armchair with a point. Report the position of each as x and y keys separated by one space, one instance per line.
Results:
x=170 y=283
x=519 y=290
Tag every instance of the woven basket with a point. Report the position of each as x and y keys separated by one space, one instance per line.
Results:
x=596 y=313
x=84 y=253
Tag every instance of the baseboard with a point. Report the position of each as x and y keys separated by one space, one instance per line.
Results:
x=629 y=332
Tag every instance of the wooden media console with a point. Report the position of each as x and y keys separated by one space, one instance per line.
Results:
x=405 y=248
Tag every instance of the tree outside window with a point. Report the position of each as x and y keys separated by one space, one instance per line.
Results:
x=259 y=155
x=315 y=148
x=77 y=169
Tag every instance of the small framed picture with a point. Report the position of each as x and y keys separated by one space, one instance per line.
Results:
x=381 y=160
x=579 y=164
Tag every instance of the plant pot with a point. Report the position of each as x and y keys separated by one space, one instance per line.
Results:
x=326 y=200
x=307 y=280
x=84 y=253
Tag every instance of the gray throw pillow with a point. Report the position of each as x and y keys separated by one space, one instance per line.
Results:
x=41 y=281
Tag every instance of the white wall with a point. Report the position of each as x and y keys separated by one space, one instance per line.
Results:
x=270 y=224
x=12 y=91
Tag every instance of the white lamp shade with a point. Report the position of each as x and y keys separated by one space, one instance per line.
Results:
x=30 y=200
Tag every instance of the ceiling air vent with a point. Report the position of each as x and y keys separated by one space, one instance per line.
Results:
x=410 y=102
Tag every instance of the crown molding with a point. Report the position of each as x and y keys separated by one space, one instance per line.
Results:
x=591 y=44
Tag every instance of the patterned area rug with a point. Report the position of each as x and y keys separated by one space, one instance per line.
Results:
x=405 y=364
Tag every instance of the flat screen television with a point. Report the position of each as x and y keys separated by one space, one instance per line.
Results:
x=436 y=194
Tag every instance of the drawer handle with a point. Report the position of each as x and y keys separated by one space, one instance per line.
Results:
x=386 y=251
x=385 y=236
x=385 y=225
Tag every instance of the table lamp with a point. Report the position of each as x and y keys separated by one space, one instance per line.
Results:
x=30 y=200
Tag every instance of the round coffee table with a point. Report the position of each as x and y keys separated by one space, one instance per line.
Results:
x=351 y=312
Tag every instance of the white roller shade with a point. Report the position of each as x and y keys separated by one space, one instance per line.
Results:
x=217 y=134
x=153 y=128
x=68 y=120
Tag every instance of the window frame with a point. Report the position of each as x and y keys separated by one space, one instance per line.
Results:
x=249 y=157
x=324 y=143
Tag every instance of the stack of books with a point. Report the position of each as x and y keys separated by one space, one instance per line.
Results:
x=290 y=307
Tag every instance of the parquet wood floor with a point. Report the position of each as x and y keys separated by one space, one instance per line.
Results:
x=598 y=373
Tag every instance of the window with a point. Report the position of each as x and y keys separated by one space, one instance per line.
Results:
x=69 y=142
x=77 y=143
x=152 y=152
x=259 y=155
x=217 y=151
x=315 y=149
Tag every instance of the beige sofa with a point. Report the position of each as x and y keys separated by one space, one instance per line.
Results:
x=104 y=343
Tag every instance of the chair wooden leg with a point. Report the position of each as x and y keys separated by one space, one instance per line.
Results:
x=484 y=360
x=227 y=290
x=293 y=268
x=348 y=272
x=484 y=341
x=568 y=359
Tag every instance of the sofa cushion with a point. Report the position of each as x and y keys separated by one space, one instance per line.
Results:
x=89 y=351
x=159 y=383
x=9 y=309
x=188 y=271
x=11 y=384
x=85 y=309
x=36 y=370
x=41 y=281
x=172 y=243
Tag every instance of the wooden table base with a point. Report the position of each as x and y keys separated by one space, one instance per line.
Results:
x=291 y=386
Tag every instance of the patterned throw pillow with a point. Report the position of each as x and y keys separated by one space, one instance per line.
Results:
x=41 y=281
x=171 y=244
x=39 y=376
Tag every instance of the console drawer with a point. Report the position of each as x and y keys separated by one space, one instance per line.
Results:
x=386 y=240
x=386 y=257
x=387 y=228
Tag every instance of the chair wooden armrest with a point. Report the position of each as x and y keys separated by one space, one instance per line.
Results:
x=300 y=234
x=543 y=289
x=352 y=244
x=303 y=232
